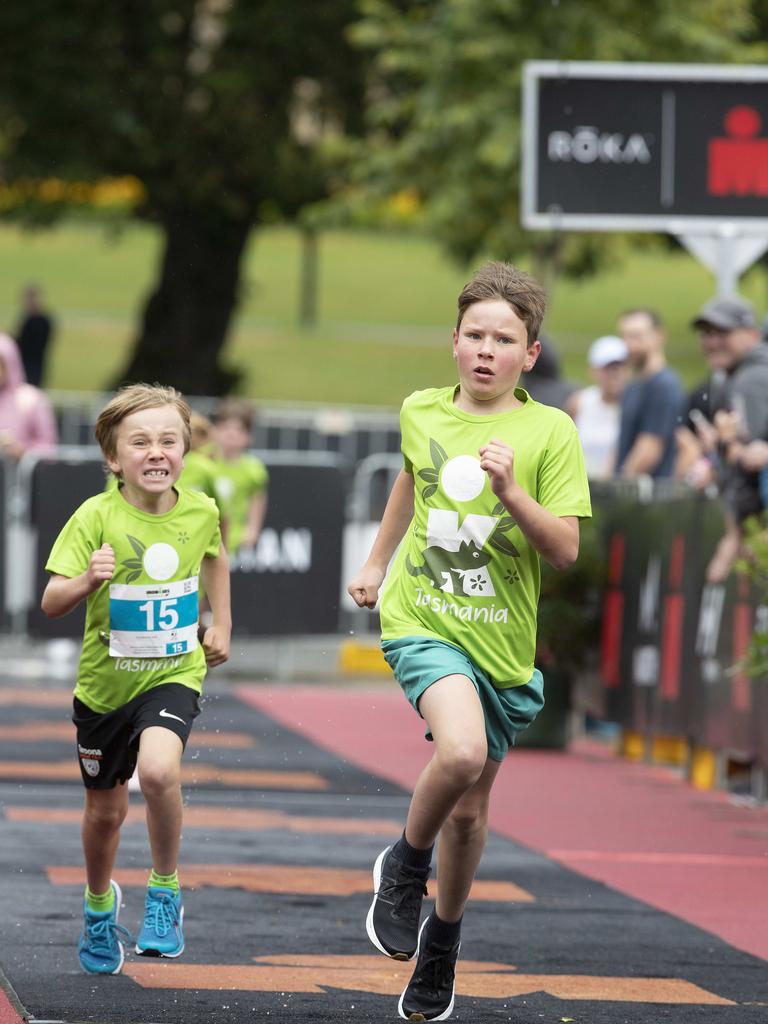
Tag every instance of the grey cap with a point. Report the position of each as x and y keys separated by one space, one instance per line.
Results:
x=726 y=314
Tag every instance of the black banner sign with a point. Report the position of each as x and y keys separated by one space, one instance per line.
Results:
x=624 y=144
x=290 y=582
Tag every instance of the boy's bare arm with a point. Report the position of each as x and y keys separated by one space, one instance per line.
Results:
x=556 y=538
x=63 y=593
x=364 y=588
x=216 y=639
x=256 y=512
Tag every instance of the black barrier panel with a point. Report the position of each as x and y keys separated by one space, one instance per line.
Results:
x=57 y=489
x=686 y=540
x=3 y=552
x=702 y=620
x=290 y=583
x=627 y=539
x=761 y=701
x=731 y=720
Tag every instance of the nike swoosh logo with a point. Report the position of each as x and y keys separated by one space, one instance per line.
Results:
x=167 y=714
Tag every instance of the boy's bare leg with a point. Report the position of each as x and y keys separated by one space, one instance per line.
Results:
x=462 y=840
x=454 y=714
x=159 y=762
x=105 y=811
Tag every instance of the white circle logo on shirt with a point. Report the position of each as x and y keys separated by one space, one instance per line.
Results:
x=160 y=561
x=461 y=478
x=224 y=487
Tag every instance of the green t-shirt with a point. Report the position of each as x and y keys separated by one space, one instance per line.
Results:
x=199 y=474
x=465 y=572
x=236 y=484
x=140 y=626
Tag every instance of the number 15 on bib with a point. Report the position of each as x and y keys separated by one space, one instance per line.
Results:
x=158 y=621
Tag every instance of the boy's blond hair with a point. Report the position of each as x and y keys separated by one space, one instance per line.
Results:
x=497 y=280
x=133 y=398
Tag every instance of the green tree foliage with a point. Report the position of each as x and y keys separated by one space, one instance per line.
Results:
x=219 y=108
x=445 y=118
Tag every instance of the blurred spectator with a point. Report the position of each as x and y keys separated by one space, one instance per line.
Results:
x=596 y=409
x=26 y=418
x=696 y=437
x=651 y=403
x=33 y=335
x=729 y=327
x=241 y=479
x=544 y=383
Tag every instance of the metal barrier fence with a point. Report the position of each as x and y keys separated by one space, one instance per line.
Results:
x=671 y=648
x=351 y=433
x=289 y=584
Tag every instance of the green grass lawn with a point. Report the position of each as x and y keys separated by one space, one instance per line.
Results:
x=385 y=309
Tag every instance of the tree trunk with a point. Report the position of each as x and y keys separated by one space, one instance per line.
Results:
x=187 y=317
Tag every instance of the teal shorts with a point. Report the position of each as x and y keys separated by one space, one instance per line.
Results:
x=419 y=661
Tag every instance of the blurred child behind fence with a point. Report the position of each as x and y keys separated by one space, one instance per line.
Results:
x=241 y=479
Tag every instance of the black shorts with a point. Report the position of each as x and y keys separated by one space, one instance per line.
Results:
x=108 y=744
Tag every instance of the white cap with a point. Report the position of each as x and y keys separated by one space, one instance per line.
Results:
x=606 y=350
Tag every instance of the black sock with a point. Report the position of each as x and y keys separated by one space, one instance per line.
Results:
x=410 y=856
x=443 y=933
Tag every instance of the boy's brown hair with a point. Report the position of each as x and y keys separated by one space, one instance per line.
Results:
x=497 y=280
x=133 y=398
x=235 y=409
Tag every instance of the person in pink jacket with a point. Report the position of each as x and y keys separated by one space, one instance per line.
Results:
x=26 y=417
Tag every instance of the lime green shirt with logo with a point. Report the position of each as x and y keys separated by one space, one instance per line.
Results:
x=140 y=626
x=465 y=572
x=237 y=482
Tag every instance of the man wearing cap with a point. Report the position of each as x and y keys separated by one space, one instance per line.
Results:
x=596 y=409
x=650 y=405
x=729 y=331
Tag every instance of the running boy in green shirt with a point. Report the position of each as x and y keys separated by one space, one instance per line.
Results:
x=491 y=481
x=134 y=554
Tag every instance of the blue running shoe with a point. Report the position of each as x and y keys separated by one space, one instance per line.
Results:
x=99 y=948
x=161 y=933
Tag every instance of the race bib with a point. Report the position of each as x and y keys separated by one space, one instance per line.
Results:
x=158 y=621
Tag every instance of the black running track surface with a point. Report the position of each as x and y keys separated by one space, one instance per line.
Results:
x=279 y=838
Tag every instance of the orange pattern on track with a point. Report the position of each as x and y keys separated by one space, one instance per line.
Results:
x=191 y=774
x=477 y=979
x=286 y=879
x=235 y=819
x=64 y=732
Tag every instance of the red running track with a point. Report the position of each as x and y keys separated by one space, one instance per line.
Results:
x=637 y=828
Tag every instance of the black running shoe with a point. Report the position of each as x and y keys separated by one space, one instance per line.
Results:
x=429 y=993
x=393 y=919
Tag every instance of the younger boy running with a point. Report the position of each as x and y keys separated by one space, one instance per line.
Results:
x=134 y=554
x=491 y=481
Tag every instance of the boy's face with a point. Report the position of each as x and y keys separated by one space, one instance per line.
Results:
x=149 y=451
x=232 y=437
x=491 y=350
